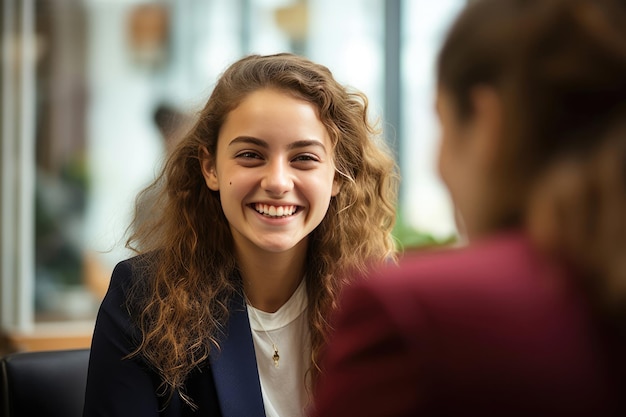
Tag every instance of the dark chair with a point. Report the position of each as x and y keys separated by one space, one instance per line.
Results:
x=50 y=383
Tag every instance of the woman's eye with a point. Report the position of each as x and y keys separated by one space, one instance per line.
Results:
x=306 y=158
x=248 y=155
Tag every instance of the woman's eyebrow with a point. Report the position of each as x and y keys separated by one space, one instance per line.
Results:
x=294 y=145
x=250 y=140
x=305 y=143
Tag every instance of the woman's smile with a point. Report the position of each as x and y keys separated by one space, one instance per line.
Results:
x=275 y=210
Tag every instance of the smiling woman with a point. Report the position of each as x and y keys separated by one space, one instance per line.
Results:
x=278 y=193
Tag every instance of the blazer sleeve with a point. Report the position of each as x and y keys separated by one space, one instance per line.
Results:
x=117 y=386
x=369 y=368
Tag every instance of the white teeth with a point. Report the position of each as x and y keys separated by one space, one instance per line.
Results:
x=275 y=211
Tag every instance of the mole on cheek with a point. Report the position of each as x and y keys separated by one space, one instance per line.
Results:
x=230 y=183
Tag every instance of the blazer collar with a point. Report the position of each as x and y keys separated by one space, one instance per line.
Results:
x=234 y=366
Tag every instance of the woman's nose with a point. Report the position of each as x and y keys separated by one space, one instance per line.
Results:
x=277 y=178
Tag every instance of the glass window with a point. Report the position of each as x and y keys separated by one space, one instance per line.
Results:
x=427 y=206
x=94 y=92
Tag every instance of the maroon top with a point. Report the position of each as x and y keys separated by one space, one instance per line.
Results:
x=491 y=330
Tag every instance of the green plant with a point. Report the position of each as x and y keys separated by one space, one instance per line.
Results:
x=409 y=237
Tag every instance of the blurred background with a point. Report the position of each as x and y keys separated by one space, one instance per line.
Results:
x=94 y=92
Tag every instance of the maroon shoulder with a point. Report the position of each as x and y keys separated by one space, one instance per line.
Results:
x=493 y=317
x=507 y=262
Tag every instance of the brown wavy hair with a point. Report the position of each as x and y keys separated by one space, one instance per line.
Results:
x=190 y=259
x=559 y=68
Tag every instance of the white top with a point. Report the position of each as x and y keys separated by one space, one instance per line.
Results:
x=284 y=388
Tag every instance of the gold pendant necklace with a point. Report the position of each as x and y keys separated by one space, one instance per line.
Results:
x=276 y=356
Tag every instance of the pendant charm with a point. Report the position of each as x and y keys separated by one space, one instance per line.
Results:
x=276 y=357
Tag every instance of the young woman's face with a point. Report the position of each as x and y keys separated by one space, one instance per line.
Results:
x=274 y=171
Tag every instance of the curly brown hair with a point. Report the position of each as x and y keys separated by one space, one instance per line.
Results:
x=193 y=270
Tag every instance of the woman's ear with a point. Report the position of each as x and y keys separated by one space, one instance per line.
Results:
x=207 y=165
x=487 y=124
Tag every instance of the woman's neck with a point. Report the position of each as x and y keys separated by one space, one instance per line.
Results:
x=270 y=279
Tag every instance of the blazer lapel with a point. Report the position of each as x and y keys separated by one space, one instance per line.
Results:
x=234 y=367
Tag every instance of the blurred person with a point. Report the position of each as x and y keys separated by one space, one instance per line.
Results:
x=279 y=189
x=527 y=319
x=172 y=124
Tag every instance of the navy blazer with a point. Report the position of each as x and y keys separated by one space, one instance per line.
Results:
x=227 y=385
